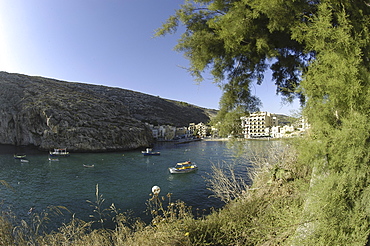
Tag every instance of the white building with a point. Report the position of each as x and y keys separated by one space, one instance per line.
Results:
x=275 y=132
x=165 y=132
x=282 y=131
x=191 y=129
x=181 y=132
x=200 y=129
x=303 y=124
x=258 y=124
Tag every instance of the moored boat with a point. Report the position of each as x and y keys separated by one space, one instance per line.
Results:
x=183 y=167
x=59 y=152
x=19 y=156
x=149 y=151
x=84 y=165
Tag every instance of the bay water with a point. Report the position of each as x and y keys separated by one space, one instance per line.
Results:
x=124 y=178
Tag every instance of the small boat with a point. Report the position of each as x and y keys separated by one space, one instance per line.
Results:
x=150 y=152
x=24 y=160
x=59 y=152
x=53 y=159
x=88 y=165
x=19 y=156
x=183 y=167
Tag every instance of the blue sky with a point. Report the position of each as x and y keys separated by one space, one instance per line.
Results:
x=107 y=42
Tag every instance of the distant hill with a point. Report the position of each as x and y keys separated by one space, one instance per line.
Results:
x=50 y=113
x=284 y=119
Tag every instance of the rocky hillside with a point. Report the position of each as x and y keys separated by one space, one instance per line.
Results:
x=48 y=113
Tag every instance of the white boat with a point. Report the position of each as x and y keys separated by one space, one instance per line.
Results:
x=84 y=165
x=150 y=152
x=19 y=156
x=59 y=152
x=183 y=167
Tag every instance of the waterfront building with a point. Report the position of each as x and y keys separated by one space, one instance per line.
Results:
x=275 y=132
x=155 y=132
x=283 y=131
x=214 y=132
x=258 y=124
x=264 y=124
x=164 y=132
x=167 y=132
x=191 y=129
x=181 y=132
x=202 y=129
x=303 y=125
x=199 y=129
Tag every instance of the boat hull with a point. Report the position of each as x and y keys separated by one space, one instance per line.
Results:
x=188 y=170
x=154 y=153
x=19 y=156
x=59 y=153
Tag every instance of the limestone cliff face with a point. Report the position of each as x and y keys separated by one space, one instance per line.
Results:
x=48 y=113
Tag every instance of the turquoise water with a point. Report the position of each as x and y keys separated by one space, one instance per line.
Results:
x=124 y=178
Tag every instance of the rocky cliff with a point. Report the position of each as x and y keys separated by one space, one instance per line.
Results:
x=49 y=113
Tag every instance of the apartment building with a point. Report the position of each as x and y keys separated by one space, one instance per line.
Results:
x=202 y=129
x=258 y=124
x=191 y=128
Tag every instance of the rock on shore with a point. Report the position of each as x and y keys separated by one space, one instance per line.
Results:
x=49 y=113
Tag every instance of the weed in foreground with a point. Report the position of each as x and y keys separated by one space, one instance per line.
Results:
x=99 y=214
x=225 y=184
x=166 y=213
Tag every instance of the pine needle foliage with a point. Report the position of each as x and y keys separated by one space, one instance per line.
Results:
x=336 y=91
x=318 y=50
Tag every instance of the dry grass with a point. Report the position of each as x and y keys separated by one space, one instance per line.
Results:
x=6 y=237
x=225 y=184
